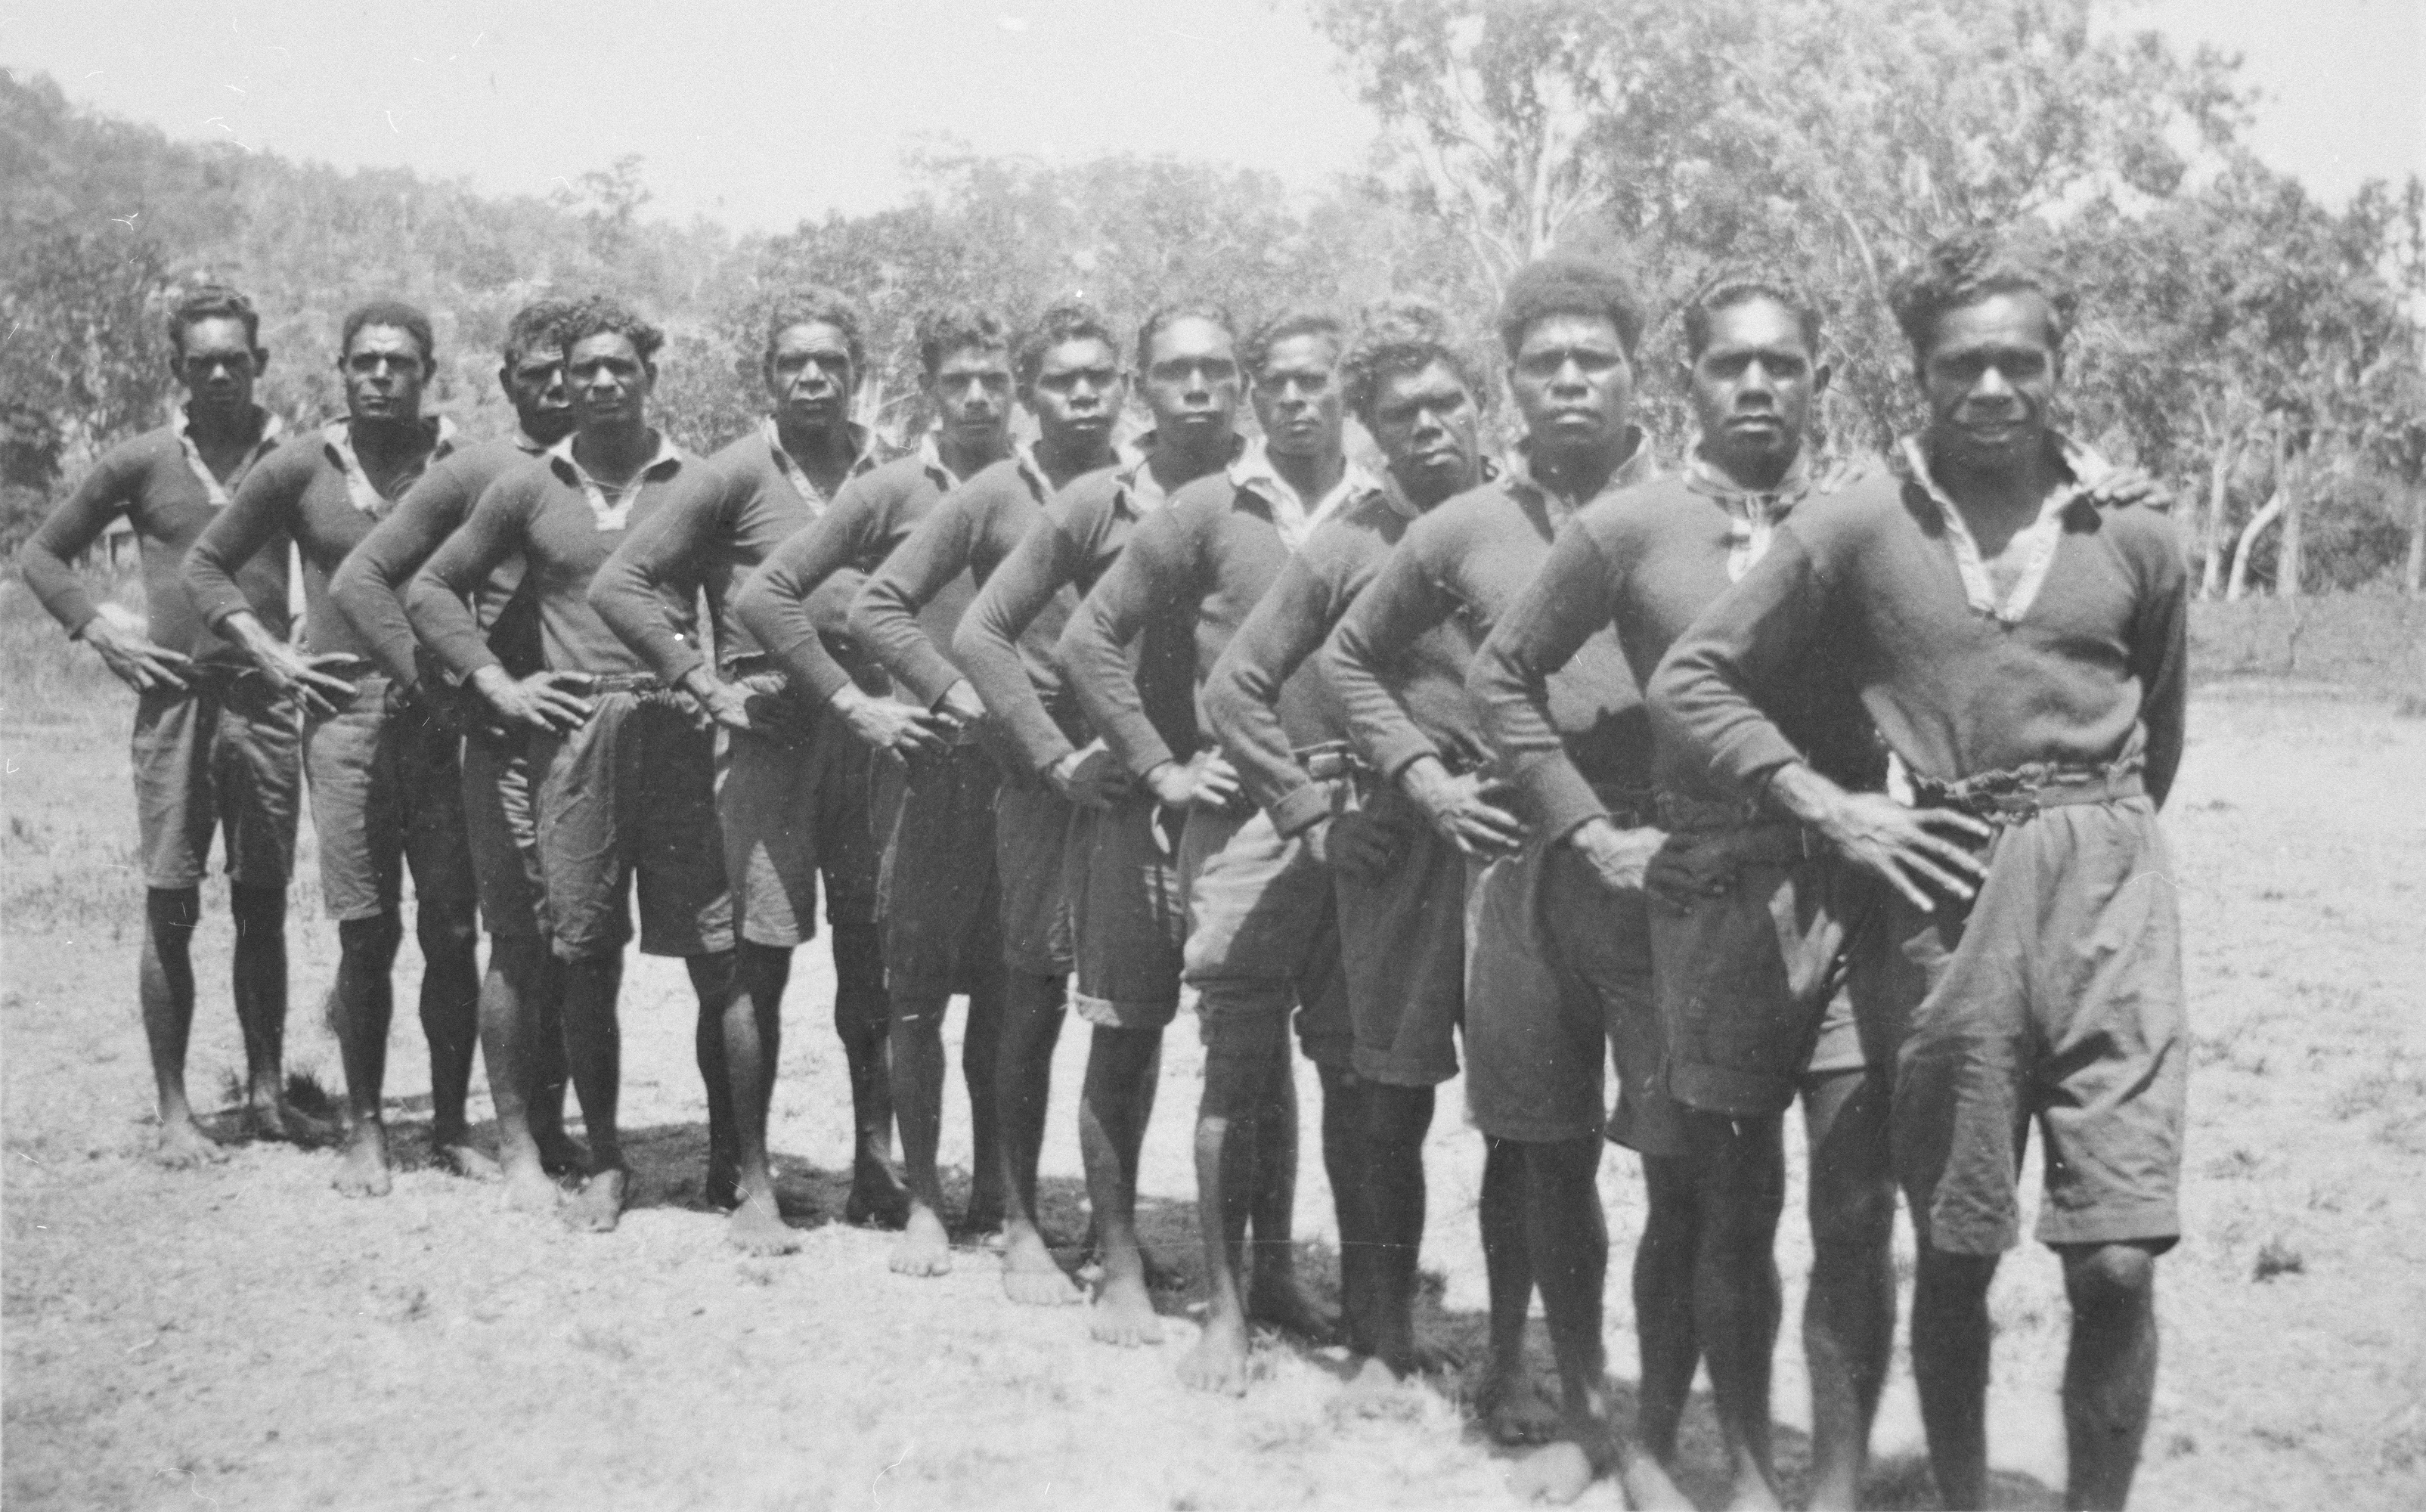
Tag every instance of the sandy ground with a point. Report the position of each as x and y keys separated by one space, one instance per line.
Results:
x=244 y=1337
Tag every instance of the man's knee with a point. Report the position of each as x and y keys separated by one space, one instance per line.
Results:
x=445 y=925
x=371 y=938
x=1851 y=1219
x=2109 y=1279
x=174 y=912
x=918 y=1013
x=1240 y=1052
x=1396 y=1117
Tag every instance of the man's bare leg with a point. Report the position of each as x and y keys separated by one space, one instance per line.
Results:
x=365 y=1005
x=1033 y=1008
x=751 y=1020
x=1513 y=1411
x=980 y=1050
x=559 y=1155
x=1239 y=1050
x=1669 y=1345
x=165 y=982
x=1396 y=1121
x=260 y=990
x=1122 y=1065
x=1274 y=1296
x=926 y=1245
x=593 y=1052
x=1738 y=1169
x=1949 y=1364
x=1849 y=1313
x=864 y=1022
x=450 y=1023
x=513 y=1034
x=2110 y=1372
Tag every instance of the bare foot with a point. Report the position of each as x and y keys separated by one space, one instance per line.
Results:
x=1552 y=1477
x=1218 y=1361
x=183 y=1146
x=722 y=1186
x=1647 y=1486
x=286 y=1123
x=878 y=1200
x=596 y=1207
x=530 y=1189
x=362 y=1168
x=1275 y=1298
x=757 y=1228
x=1032 y=1278
x=557 y=1154
x=924 y=1249
x=1374 y=1391
x=1514 y=1411
x=979 y=1222
x=1124 y=1313
x=467 y=1159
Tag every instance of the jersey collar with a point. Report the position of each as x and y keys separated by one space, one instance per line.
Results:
x=2084 y=470
x=863 y=459
x=611 y=507
x=337 y=440
x=1253 y=473
x=272 y=429
x=1561 y=505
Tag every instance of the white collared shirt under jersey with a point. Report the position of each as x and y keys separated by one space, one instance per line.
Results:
x=610 y=505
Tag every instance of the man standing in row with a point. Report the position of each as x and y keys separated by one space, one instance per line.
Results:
x=2024 y=656
x=387 y=781
x=936 y=897
x=522 y=1028
x=1396 y=888
x=794 y=799
x=627 y=769
x=1262 y=937
x=1748 y=928
x=1069 y=377
x=1561 y=963
x=1127 y=913
x=216 y=747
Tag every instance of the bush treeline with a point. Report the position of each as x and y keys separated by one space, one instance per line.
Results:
x=2258 y=350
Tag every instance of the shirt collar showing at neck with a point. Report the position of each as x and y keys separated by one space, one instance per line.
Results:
x=1638 y=466
x=611 y=506
x=863 y=442
x=272 y=429
x=930 y=458
x=1252 y=472
x=2084 y=470
x=1140 y=486
x=338 y=437
x=1755 y=514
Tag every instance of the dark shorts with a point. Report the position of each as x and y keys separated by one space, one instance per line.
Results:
x=501 y=822
x=388 y=788
x=1031 y=854
x=1746 y=976
x=633 y=790
x=1558 y=982
x=227 y=756
x=1127 y=913
x=1263 y=936
x=1402 y=936
x=794 y=803
x=2057 y=996
x=935 y=889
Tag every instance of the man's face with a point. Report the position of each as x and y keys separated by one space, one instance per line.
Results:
x=384 y=373
x=972 y=391
x=1426 y=423
x=810 y=377
x=610 y=383
x=1754 y=383
x=534 y=380
x=1191 y=381
x=1989 y=372
x=218 y=366
x=1296 y=402
x=1078 y=393
x=1573 y=383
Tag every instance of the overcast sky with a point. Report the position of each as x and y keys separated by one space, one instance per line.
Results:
x=759 y=113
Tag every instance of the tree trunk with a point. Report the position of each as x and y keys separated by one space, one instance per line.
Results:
x=2249 y=533
x=2288 y=556
x=2416 y=578
x=2219 y=489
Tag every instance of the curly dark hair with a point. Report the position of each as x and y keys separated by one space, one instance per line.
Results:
x=1402 y=333
x=1071 y=320
x=604 y=315
x=397 y=316
x=1968 y=267
x=1298 y=321
x=1734 y=286
x=1166 y=316
x=1564 y=285
x=536 y=327
x=211 y=301
x=949 y=328
x=816 y=304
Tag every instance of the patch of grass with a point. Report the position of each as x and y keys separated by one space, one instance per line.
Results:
x=2371 y=643
x=2275 y=1258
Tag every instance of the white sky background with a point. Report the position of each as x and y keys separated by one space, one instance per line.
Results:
x=759 y=113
